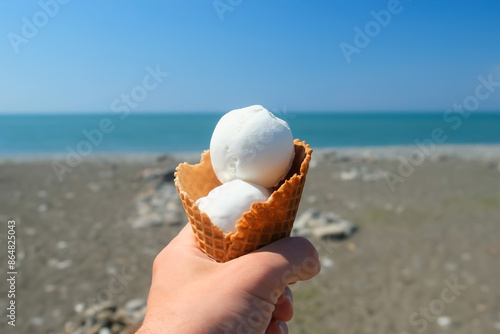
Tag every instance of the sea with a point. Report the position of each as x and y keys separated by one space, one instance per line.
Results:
x=27 y=134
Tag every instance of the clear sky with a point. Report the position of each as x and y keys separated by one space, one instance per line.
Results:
x=73 y=56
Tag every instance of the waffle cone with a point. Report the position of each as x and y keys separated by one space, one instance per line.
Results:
x=264 y=223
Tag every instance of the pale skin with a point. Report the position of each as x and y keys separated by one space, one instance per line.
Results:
x=190 y=293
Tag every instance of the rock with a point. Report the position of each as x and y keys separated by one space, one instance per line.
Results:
x=94 y=329
x=450 y=266
x=496 y=325
x=104 y=315
x=322 y=225
x=42 y=194
x=106 y=318
x=157 y=206
x=152 y=174
x=104 y=330
x=164 y=158
x=36 y=321
x=361 y=172
x=443 y=321
x=343 y=158
x=145 y=175
x=43 y=208
x=311 y=199
x=62 y=245
x=442 y=157
x=326 y=262
x=150 y=220
x=79 y=307
x=342 y=228
x=64 y=264
x=169 y=176
x=368 y=157
x=172 y=218
x=143 y=209
x=348 y=175
x=30 y=231
x=94 y=187
x=465 y=256
x=135 y=304
x=50 y=288
x=69 y=195
x=374 y=176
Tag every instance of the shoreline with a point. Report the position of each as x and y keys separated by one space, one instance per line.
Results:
x=464 y=151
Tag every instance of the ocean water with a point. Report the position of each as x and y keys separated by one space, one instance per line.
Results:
x=60 y=133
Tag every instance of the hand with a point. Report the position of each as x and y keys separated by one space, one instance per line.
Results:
x=191 y=293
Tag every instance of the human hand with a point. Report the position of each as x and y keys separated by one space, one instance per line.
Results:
x=191 y=293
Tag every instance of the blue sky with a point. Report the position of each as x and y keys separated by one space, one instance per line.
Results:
x=226 y=54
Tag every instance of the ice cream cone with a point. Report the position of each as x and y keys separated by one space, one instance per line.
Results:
x=264 y=223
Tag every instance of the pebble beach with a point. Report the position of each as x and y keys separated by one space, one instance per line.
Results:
x=408 y=239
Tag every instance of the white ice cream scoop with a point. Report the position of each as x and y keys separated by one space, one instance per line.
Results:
x=253 y=145
x=227 y=203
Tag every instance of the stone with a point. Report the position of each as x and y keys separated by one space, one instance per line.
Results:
x=79 y=307
x=322 y=225
x=94 y=187
x=43 y=208
x=135 y=304
x=443 y=321
x=104 y=330
x=62 y=245
x=64 y=264
x=151 y=220
x=163 y=158
x=169 y=176
x=94 y=329
x=69 y=195
x=348 y=175
x=340 y=229
x=326 y=262
x=30 y=231
x=496 y=325
x=172 y=218
x=42 y=194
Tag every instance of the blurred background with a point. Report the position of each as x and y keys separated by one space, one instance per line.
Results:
x=99 y=102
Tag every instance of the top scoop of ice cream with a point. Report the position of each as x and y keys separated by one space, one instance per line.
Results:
x=253 y=145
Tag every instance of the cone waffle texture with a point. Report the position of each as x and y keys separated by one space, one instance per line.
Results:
x=264 y=223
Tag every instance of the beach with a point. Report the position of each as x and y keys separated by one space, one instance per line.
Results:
x=423 y=258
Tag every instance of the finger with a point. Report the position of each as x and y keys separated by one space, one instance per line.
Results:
x=287 y=260
x=277 y=327
x=284 y=306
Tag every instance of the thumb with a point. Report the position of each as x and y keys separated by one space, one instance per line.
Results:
x=294 y=259
x=280 y=263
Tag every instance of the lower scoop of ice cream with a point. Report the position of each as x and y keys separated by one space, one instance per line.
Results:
x=227 y=203
x=253 y=145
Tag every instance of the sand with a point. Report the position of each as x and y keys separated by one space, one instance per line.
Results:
x=425 y=258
